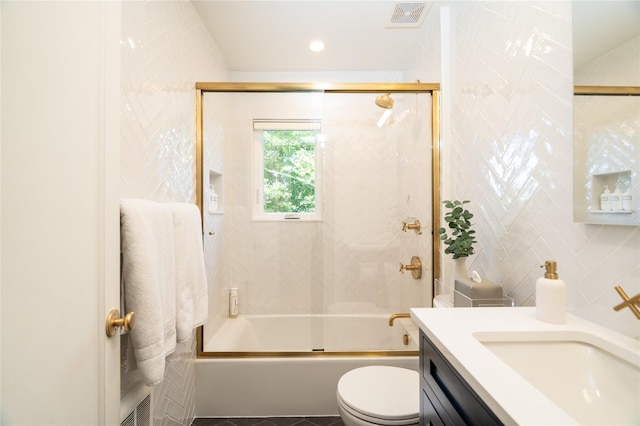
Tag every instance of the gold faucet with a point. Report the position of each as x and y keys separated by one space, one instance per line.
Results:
x=415 y=226
x=415 y=267
x=628 y=302
x=393 y=317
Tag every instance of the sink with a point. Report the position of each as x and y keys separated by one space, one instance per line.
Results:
x=592 y=380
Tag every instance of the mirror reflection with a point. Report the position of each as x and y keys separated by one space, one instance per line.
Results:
x=606 y=112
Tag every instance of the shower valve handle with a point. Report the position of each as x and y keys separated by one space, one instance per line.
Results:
x=415 y=226
x=415 y=267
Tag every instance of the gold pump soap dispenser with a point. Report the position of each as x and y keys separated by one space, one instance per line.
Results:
x=551 y=296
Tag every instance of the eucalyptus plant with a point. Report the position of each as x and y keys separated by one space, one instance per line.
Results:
x=458 y=218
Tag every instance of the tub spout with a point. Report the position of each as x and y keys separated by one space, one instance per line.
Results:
x=393 y=317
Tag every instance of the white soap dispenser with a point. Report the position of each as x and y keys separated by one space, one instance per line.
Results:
x=605 y=200
x=551 y=296
x=213 y=199
x=233 y=302
x=616 y=199
x=626 y=200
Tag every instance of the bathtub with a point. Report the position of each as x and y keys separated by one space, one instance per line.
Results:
x=290 y=372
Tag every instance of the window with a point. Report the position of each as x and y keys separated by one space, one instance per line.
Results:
x=287 y=170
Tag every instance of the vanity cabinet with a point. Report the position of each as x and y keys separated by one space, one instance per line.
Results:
x=445 y=397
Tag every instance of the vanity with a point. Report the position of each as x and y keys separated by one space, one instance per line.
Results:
x=502 y=366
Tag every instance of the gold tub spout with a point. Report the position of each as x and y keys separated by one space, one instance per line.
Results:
x=393 y=317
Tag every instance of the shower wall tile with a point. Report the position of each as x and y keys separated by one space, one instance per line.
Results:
x=507 y=145
x=165 y=50
x=348 y=261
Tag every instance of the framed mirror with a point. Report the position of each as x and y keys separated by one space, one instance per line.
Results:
x=606 y=170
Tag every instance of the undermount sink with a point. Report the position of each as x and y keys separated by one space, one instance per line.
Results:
x=592 y=380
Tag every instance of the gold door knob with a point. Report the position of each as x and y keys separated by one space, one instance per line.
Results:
x=114 y=321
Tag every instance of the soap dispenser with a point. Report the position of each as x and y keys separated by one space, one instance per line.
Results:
x=213 y=199
x=605 y=200
x=616 y=199
x=551 y=296
x=626 y=200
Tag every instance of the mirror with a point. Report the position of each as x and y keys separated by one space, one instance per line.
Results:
x=606 y=104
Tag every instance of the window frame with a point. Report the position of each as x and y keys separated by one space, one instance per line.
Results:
x=257 y=179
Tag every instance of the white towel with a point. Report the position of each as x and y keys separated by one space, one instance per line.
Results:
x=149 y=283
x=191 y=282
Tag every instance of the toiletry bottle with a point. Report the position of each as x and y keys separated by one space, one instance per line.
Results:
x=233 y=302
x=626 y=200
x=605 y=201
x=551 y=296
x=616 y=199
x=213 y=199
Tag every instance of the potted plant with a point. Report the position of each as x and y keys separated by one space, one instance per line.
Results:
x=460 y=242
x=462 y=238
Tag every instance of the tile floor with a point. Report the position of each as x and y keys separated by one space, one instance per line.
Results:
x=269 y=421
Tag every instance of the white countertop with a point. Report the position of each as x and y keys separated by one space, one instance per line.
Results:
x=508 y=395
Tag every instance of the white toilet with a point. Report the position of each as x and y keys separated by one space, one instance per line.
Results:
x=379 y=395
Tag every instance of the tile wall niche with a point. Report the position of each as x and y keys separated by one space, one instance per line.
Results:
x=507 y=147
x=165 y=50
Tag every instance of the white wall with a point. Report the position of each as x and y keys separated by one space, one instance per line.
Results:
x=165 y=50
x=508 y=148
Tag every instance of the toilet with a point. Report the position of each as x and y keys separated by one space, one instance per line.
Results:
x=379 y=395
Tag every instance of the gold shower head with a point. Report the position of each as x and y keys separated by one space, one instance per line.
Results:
x=384 y=101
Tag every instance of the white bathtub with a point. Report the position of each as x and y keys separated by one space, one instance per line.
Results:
x=305 y=333
x=294 y=385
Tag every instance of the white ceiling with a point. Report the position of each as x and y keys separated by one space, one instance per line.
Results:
x=272 y=36
x=275 y=35
x=598 y=26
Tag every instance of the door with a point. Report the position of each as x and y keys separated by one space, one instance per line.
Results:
x=59 y=228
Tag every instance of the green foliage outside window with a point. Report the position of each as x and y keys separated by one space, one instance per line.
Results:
x=289 y=171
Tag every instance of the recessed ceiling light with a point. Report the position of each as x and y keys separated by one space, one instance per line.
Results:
x=316 y=46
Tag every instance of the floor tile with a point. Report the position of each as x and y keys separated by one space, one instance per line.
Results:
x=268 y=421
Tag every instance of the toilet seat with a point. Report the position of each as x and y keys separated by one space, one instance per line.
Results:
x=381 y=395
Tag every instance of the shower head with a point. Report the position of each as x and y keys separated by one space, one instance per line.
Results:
x=384 y=101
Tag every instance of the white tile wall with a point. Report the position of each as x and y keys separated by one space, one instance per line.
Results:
x=507 y=142
x=165 y=50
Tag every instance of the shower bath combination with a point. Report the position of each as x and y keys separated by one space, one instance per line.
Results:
x=313 y=279
x=339 y=262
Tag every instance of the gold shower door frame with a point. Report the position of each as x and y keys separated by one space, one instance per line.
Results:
x=432 y=88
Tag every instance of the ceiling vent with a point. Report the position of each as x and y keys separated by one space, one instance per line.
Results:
x=408 y=15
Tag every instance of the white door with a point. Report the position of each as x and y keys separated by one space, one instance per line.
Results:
x=59 y=270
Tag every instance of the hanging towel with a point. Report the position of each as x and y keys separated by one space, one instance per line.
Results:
x=148 y=273
x=191 y=282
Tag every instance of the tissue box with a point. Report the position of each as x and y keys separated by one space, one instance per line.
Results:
x=467 y=291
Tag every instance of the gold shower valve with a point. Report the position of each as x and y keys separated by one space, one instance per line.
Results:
x=415 y=267
x=415 y=226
